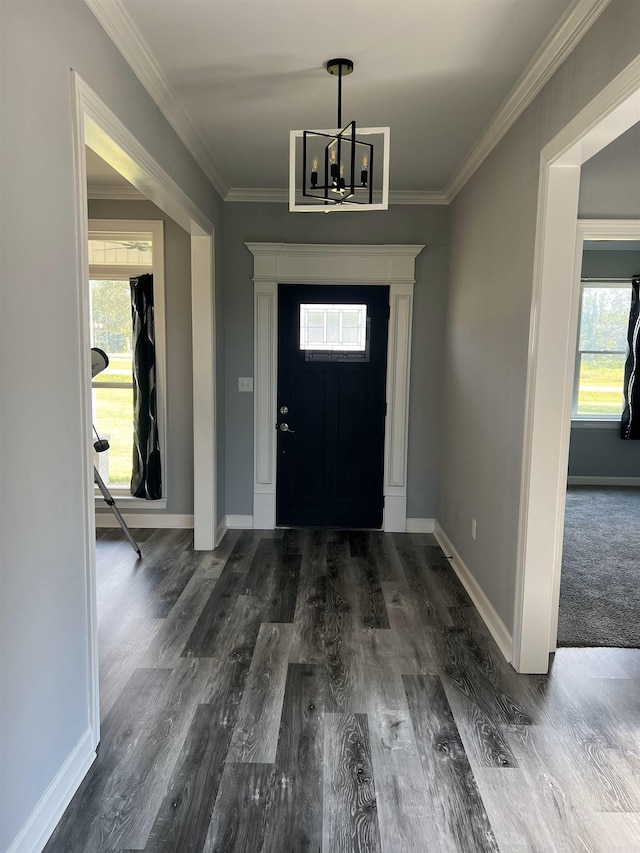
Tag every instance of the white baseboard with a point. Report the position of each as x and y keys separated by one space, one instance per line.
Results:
x=487 y=611
x=420 y=525
x=245 y=522
x=239 y=522
x=603 y=481
x=143 y=519
x=44 y=818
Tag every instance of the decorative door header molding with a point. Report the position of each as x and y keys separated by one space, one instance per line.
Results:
x=323 y=263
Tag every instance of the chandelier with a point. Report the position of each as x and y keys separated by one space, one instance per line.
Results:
x=333 y=170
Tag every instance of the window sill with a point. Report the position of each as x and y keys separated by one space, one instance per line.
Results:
x=600 y=423
x=129 y=502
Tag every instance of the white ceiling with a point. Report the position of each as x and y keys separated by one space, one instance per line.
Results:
x=240 y=74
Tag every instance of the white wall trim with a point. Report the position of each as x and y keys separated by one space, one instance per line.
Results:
x=610 y=425
x=418 y=197
x=145 y=519
x=116 y=192
x=603 y=481
x=82 y=100
x=43 y=819
x=551 y=360
x=398 y=381
x=205 y=431
x=129 y=503
x=240 y=522
x=245 y=522
x=221 y=531
x=119 y=26
x=281 y=196
x=561 y=41
x=420 y=525
x=321 y=263
x=105 y=134
x=487 y=611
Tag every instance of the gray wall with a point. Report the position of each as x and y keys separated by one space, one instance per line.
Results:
x=599 y=451
x=400 y=224
x=43 y=629
x=610 y=181
x=178 y=465
x=493 y=226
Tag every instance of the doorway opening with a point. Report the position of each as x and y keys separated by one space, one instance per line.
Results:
x=98 y=129
x=598 y=589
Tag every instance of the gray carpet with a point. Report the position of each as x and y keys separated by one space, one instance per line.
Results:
x=600 y=584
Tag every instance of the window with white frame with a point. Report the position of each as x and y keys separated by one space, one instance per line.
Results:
x=118 y=251
x=602 y=348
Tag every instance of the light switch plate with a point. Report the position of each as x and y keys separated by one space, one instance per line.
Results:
x=245 y=383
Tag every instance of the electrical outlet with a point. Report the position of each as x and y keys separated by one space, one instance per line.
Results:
x=245 y=383
x=473 y=528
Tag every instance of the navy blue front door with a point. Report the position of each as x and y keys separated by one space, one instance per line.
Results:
x=331 y=405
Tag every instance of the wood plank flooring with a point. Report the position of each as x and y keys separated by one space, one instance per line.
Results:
x=330 y=691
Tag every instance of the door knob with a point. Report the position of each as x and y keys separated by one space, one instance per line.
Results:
x=285 y=428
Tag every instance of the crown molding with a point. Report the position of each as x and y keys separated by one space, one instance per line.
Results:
x=115 y=192
x=258 y=194
x=417 y=197
x=122 y=31
x=281 y=196
x=552 y=53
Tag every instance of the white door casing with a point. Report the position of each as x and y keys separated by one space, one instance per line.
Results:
x=308 y=263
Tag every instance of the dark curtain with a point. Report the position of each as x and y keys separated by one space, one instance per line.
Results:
x=630 y=425
x=146 y=479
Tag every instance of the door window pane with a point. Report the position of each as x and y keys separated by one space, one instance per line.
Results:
x=333 y=327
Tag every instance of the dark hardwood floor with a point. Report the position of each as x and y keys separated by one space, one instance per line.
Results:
x=305 y=691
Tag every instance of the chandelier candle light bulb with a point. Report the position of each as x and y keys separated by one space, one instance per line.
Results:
x=333 y=155
x=363 y=172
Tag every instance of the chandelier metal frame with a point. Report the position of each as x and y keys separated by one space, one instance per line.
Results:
x=329 y=180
